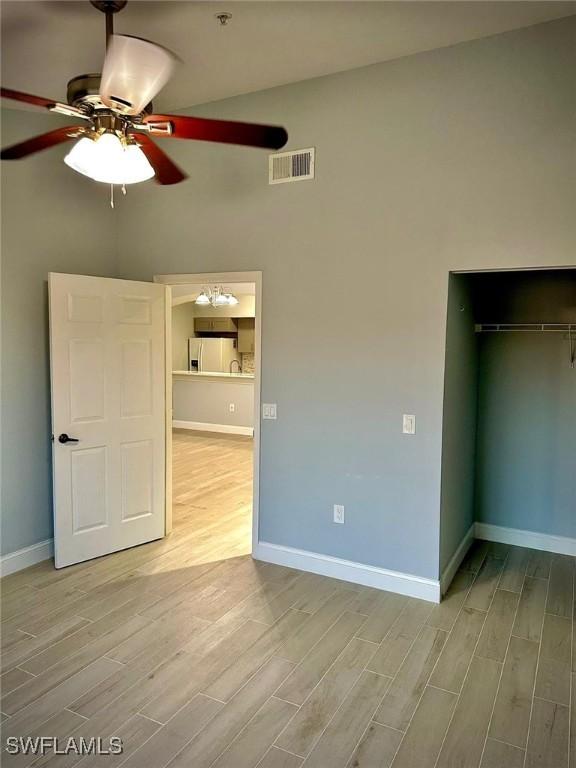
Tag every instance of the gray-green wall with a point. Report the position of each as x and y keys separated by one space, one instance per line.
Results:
x=53 y=220
x=461 y=158
x=459 y=422
x=526 y=457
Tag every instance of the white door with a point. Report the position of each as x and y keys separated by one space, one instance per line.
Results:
x=107 y=360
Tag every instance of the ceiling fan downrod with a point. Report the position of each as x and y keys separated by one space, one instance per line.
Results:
x=109 y=8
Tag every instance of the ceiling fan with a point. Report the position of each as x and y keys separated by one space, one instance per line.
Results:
x=115 y=144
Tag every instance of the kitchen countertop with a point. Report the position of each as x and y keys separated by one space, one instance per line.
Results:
x=213 y=374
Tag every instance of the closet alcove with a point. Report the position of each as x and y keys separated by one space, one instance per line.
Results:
x=509 y=416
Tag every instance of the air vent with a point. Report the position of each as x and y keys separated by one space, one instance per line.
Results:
x=291 y=166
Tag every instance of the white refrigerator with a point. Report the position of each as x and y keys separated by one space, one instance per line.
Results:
x=211 y=355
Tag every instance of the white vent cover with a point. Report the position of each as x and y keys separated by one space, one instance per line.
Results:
x=296 y=165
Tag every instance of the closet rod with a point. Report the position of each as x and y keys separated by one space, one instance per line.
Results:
x=530 y=327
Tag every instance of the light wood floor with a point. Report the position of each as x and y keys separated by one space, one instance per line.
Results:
x=197 y=656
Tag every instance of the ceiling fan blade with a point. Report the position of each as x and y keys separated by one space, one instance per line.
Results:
x=224 y=131
x=38 y=143
x=167 y=172
x=134 y=71
x=38 y=101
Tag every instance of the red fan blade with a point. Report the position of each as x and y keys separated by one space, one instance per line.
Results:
x=166 y=171
x=224 y=131
x=38 y=143
x=38 y=101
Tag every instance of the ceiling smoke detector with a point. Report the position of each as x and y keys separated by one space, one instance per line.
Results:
x=223 y=17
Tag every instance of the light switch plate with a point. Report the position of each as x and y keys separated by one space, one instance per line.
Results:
x=268 y=410
x=409 y=424
x=339 y=513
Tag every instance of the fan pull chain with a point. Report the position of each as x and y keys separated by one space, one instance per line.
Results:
x=112 y=193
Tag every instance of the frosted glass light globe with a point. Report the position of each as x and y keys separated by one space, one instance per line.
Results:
x=108 y=160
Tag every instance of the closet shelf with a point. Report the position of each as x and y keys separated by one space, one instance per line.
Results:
x=530 y=327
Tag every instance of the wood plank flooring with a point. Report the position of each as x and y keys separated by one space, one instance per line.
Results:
x=199 y=657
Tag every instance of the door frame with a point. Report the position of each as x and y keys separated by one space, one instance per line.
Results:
x=209 y=278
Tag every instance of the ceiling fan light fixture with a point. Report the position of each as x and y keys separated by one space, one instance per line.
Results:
x=80 y=157
x=118 y=102
x=108 y=160
x=136 y=165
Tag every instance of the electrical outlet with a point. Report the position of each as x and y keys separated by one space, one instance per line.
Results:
x=232 y=407
x=409 y=424
x=339 y=513
x=269 y=410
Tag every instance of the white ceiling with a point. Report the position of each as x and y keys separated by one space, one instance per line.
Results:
x=266 y=44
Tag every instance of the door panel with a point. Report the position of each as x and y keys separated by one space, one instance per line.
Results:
x=87 y=373
x=136 y=310
x=137 y=475
x=85 y=309
x=88 y=470
x=107 y=355
x=137 y=377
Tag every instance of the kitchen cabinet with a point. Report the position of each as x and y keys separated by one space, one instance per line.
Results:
x=215 y=325
x=246 y=334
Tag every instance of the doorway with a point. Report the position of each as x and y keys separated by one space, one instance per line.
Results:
x=509 y=426
x=213 y=386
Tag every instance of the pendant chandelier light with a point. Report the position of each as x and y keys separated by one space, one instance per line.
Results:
x=216 y=297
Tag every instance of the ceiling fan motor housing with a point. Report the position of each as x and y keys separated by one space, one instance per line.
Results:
x=84 y=92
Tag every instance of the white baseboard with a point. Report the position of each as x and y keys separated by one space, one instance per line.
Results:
x=562 y=545
x=450 y=571
x=24 y=558
x=357 y=573
x=200 y=426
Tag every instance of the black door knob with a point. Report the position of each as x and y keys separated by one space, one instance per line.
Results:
x=63 y=438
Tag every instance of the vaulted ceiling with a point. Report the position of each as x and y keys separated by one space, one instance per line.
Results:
x=265 y=44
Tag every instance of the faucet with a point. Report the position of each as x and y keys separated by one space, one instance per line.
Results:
x=237 y=363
